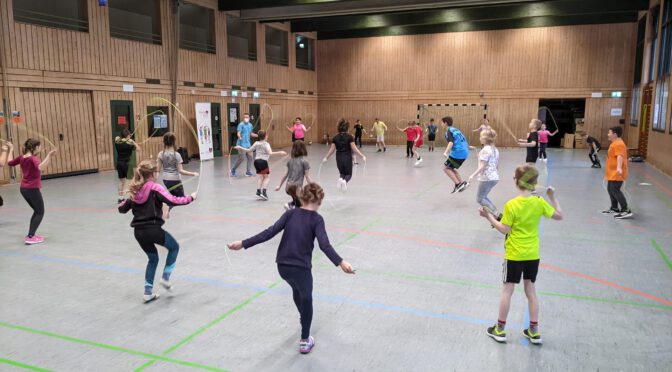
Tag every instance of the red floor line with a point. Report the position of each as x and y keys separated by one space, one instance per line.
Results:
x=649 y=177
x=418 y=240
x=610 y=284
x=550 y=267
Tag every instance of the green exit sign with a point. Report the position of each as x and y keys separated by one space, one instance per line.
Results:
x=616 y=94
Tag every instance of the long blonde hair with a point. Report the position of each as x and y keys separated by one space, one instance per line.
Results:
x=141 y=174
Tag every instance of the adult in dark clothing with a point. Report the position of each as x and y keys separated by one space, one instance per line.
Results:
x=359 y=128
x=124 y=146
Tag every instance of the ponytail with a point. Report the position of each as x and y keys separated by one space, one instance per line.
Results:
x=141 y=174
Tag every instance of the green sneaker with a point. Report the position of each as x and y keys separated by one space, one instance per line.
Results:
x=534 y=338
x=497 y=335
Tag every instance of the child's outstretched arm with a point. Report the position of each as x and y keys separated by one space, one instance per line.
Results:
x=354 y=148
x=185 y=172
x=329 y=251
x=124 y=206
x=6 y=152
x=502 y=228
x=262 y=237
x=282 y=181
x=332 y=149
x=243 y=149
x=45 y=162
x=482 y=164
x=557 y=215
x=448 y=149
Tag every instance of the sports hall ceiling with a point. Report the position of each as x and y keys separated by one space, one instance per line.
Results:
x=336 y=19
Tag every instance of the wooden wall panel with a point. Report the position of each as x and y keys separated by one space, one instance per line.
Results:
x=593 y=56
x=598 y=118
x=70 y=115
x=659 y=154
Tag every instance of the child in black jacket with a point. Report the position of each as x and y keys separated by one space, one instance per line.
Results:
x=146 y=201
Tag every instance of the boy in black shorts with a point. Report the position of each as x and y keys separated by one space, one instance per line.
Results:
x=457 y=152
x=520 y=224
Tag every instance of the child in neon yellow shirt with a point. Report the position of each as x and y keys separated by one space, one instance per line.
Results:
x=520 y=223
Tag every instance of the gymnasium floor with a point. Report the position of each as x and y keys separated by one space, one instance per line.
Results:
x=426 y=288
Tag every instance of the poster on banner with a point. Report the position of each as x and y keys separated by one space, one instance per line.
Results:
x=204 y=129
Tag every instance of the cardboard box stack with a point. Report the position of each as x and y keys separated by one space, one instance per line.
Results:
x=580 y=134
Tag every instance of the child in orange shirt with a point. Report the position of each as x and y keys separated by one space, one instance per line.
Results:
x=616 y=173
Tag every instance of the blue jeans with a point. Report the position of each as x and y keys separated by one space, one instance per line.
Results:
x=148 y=238
x=484 y=188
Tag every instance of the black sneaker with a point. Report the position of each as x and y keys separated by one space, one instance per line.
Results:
x=534 y=338
x=455 y=189
x=497 y=335
x=624 y=214
x=384 y=149
x=594 y=166
x=611 y=211
x=463 y=186
x=263 y=195
x=258 y=194
x=379 y=150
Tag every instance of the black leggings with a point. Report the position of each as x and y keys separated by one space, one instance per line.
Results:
x=542 y=150
x=593 y=157
x=616 y=195
x=301 y=281
x=409 y=148
x=148 y=238
x=358 y=140
x=173 y=189
x=344 y=164
x=35 y=201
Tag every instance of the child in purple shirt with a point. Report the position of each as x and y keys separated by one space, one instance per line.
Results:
x=301 y=226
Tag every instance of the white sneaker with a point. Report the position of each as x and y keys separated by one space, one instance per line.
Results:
x=150 y=297
x=338 y=184
x=166 y=284
x=418 y=162
x=344 y=185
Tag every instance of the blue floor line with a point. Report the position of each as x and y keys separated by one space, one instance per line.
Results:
x=283 y=291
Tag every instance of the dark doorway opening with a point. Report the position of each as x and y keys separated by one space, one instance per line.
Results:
x=561 y=114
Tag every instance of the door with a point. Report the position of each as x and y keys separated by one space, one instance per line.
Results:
x=645 y=121
x=232 y=120
x=61 y=119
x=255 y=119
x=122 y=118
x=215 y=112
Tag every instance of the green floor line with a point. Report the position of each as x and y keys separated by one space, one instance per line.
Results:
x=664 y=199
x=426 y=190
x=467 y=283
x=662 y=254
x=244 y=303
x=231 y=311
x=23 y=365
x=109 y=347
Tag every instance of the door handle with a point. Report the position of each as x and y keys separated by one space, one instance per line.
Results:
x=60 y=136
